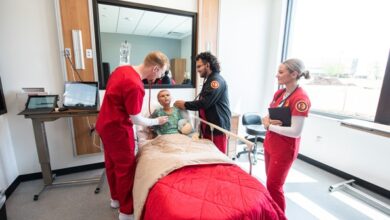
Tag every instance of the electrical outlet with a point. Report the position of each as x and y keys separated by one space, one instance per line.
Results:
x=88 y=53
x=67 y=52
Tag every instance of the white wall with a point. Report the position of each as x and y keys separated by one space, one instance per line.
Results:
x=8 y=167
x=355 y=152
x=245 y=44
x=249 y=52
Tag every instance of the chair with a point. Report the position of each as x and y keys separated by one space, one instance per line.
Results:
x=255 y=131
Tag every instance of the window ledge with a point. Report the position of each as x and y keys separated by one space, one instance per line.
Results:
x=371 y=127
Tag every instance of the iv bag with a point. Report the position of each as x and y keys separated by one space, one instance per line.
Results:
x=124 y=53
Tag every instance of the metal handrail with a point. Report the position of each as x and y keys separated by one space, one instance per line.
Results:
x=249 y=144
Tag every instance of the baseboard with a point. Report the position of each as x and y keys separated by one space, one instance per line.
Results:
x=59 y=172
x=372 y=187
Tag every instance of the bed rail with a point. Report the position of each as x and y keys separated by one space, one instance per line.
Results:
x=230 y=134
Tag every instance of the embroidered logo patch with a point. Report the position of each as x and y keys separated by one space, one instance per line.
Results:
x=301 y=106
x=215 y=84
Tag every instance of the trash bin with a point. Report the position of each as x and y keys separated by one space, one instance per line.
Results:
x=3 y=214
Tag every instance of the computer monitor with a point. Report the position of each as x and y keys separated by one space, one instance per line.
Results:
x=81 y=95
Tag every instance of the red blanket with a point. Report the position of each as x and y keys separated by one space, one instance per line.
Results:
x=210 y=192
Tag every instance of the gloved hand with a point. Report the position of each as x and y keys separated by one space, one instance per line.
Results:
x=162 y=120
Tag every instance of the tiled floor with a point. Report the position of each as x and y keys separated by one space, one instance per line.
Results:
x=306 y=191
x=308 y=197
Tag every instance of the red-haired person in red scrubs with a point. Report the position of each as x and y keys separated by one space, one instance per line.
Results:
x=121 y=109
x=281 y=143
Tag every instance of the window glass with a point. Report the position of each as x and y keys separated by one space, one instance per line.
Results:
x=345 y=46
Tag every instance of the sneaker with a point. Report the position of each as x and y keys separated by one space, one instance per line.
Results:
x=114 y=204
x=125 y=216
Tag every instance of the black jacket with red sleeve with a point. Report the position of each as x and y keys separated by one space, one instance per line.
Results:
x=214 y=100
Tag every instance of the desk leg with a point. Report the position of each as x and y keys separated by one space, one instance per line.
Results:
x=43 y=150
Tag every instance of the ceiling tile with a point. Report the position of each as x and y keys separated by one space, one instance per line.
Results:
x=128 y=20
x=108 y=18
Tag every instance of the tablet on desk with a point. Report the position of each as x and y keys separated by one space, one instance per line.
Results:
x=281 y=113
x=40 y=104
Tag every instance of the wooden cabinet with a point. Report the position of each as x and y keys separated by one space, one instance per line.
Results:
x=232 y=143
x=178 y=69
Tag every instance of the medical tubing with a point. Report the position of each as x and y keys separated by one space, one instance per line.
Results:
x=150 y=94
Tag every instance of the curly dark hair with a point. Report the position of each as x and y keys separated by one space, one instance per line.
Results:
x=207 y=57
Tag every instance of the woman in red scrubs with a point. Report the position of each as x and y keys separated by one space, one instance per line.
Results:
x=281 y=143
x=121 y=109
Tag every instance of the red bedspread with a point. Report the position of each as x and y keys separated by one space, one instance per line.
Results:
x=210 y=192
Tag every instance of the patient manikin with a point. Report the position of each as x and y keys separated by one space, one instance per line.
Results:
x=176 y=121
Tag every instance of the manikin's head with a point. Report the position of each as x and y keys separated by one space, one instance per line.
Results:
x=164 y=98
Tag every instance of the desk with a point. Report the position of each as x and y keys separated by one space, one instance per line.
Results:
x=38 y=121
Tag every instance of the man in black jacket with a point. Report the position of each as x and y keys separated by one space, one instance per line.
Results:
x=213 y=102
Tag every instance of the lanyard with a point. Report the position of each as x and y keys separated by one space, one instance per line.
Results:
x=285 y=99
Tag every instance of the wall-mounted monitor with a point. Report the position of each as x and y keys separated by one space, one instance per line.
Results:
x=3 y=107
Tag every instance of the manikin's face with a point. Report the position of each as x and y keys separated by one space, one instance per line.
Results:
x=284 y=76
x=202 y=69
x=164 y=98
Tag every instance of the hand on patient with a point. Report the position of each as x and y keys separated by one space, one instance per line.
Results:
x=180 y=104
x=162 y=120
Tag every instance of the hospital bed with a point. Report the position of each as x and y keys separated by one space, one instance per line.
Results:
x=179 y=177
